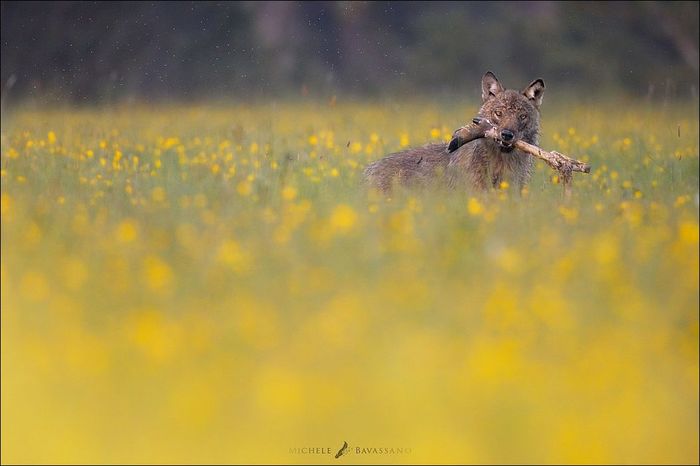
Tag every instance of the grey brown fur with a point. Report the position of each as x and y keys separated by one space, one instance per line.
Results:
x=479 y=164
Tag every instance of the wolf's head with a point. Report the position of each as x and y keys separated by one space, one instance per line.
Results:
x=515 y=114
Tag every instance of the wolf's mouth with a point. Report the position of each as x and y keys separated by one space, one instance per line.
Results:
x=504 y=146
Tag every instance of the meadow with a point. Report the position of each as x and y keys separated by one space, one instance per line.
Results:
x=213 y=283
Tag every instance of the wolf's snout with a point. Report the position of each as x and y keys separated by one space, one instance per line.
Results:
x=507 y=135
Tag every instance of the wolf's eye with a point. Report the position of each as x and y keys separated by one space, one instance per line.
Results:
x=523 y=117
x=498 y=113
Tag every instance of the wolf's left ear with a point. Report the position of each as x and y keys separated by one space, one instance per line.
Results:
x=534 y=92
x=490 y=86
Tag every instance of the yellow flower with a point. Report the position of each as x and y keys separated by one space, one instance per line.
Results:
x=681 y=200
x=244 y=188
x=231 y=254
x=51 y=137
x=170 y=142
x=126 y=231
x=151 y=333
x=289 y=193
x=5 y=204
x=157 y=273
x=115 y=161
x=688 y=233
x=474 y=206
x=343 y=218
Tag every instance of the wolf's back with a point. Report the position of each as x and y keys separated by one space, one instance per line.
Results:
x=412 y=166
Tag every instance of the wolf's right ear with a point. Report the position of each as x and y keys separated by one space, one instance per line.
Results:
x=490 y=86
x=534 y=92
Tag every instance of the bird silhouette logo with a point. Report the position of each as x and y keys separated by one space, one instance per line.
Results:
x=342 y=450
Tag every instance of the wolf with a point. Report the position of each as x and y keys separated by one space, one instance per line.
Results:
x=477 y=165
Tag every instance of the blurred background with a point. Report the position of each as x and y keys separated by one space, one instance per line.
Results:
x=106 y=52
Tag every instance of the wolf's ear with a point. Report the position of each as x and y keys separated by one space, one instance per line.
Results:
x=535 y=91
x=490 y=86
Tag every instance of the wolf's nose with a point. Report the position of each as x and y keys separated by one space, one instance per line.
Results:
x=507 y=135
